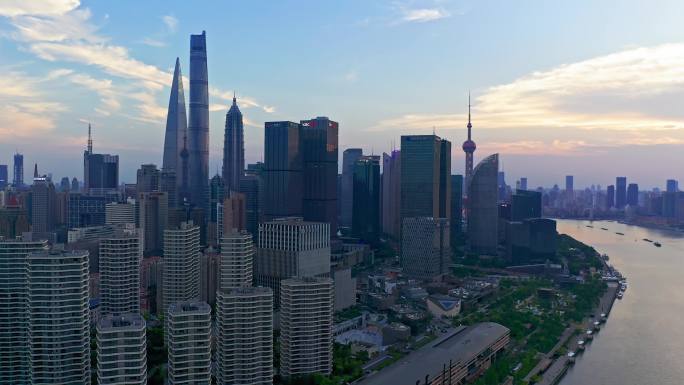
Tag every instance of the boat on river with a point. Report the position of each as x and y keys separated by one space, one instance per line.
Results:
x=619 y=233
x=648 y=240
x=656 y=244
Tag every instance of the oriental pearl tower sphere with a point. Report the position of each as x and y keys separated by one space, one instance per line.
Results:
x=469 y=148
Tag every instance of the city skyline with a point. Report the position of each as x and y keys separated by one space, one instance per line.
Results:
x=546 y=102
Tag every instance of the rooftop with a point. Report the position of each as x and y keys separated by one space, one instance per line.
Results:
x=460 y=345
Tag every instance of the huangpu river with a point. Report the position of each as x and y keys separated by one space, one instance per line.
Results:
x=643 y=340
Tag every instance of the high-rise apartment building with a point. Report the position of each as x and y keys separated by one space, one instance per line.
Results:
x=233 y=149
x=349 y=158
x=188 y=332
x=483 y=216
x=198 y=122
x=425 y=176
x=120 y=258
x=283 y=172
x=15 y=359
x=319 y=148
x=121 y=350
x=366 y=203
x=620 y=192
x=181 y=264
x=391 y=194
x=244 y=317
x=425 y=247
x=306 y=326
x=59 y=342
x=291 y=247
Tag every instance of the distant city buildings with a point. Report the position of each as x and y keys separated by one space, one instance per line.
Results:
x=18 y=168
x=620 y=192
x=349 y=158
x=100 y=171
x=198 y=122
x=456 y=222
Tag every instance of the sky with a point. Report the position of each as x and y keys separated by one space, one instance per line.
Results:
x=584 y=88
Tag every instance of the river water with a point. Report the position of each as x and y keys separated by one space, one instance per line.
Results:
x=643 y=340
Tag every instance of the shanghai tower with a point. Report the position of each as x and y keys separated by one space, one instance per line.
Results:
x=233 y=149
x=198 y=124
x=175 y=137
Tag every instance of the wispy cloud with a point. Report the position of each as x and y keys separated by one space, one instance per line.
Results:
x=13 y=8
x=618 y=92
x=171 y=23
x=423 y=15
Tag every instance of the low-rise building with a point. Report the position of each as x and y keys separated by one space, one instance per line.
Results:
x=443 y=306
x=455 y=358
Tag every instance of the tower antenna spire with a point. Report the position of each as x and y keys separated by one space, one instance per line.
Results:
x=90 y=140
x=470 y=126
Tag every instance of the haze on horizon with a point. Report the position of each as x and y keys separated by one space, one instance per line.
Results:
x=582 y=88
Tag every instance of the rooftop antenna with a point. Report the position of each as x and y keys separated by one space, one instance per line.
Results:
x=470 y=125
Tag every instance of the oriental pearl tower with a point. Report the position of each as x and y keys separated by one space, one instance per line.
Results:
x=469 y=149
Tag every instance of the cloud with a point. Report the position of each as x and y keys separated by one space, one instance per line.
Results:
x=13 y=8
x=108 y=96
x=423 y=15
x=624 y=99
x=25 y=110
x=153 y=42
x=170 y=22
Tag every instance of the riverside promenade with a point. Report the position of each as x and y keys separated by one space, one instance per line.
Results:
x=557 y=369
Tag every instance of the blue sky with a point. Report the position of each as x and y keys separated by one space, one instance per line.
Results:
x=582 y=87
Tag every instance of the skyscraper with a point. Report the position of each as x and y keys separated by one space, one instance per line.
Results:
x=306 y=326
x=456 y=222
x=391 y=194
x=672 y=185
x=252 y=187
x=15 y=360
x=366 y=202
x=425 y=176
x=120 y=257
x=198 y=123
x=152 y=219
x=320 y=158
x=84 y=210
x=119 y=213
x=526 y=205
x=181 y=264
x=620 y=192
x=469 y=148
x=175 y=138
x=569 y=183
x=633 y=194
x=43 y=201
x=60 y=340
x=523 y=183
x=425 y=250
x=18 y=176
x=117 y=334
x=189 y=343
x=233 y=149
x=482 y=207
x=349 y=158
x=610 y=196
x=244 y=317
x=148 y=178
x=100 y=171
x=283 y=173
x=4 y=178
x=291 y=247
